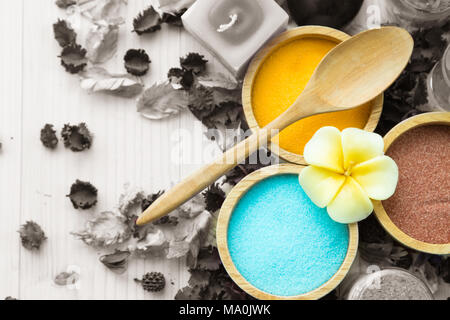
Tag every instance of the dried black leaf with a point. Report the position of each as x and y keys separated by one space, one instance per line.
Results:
x=201 y=102
x=331 y=296
x=214 y=198
x=166 y=220
x=73 y=58
x=208 y=259
x=147 y=21
x=48 y=136
x=407 y=96
x=83 y=195
x=117 y=261
x=420 y=94
x=10 y=298
x=444 y=269
x=194 y=62
x=240 y=172
x=403 y=261
x=31 y=235
x=64 y=34
x=173 y=19
x=64 y=4
x=371 y=231
x=147 y=202
x=210 y=281
x=77 y=138
x=181 y=77
x=189 y=293
x=137 y=62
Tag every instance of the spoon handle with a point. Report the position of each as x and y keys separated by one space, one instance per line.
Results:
x=208 y=174
x=205 y=176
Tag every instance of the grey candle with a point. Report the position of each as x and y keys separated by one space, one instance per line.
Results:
x=234 y=30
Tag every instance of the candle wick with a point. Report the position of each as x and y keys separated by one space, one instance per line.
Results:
x=225 y=27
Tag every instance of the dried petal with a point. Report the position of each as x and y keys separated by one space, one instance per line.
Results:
x=31 y=235
x=107 y=229
x=48 y=136
x=193 y=207
x=137 y=62
x=101 y=43
x=83 y=195
x=130 y=201
x=103 y=10
x=175 y=241
x=64 y=33
x=64 y=4
x=73 y=58
x=147 y=21
x=66 y=278
x=97 y=79
x=218 y=80
x=173 y=19
x=117 y=262
x=166 y=220
x=194 y=62
x=77 y=138
x=162 y=101
x=181 y=78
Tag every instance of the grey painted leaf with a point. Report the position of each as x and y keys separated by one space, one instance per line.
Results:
x=101 y=42
x=161 y=101
x=66 y=278
x=97 y=79
x=117 y=261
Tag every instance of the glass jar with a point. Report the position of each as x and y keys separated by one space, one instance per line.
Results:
x=438 y=84
x=389 y=284
x=418 y=13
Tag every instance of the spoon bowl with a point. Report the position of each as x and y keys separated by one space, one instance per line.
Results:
x=343 y=87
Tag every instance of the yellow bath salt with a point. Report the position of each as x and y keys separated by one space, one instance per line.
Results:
x=281 y=79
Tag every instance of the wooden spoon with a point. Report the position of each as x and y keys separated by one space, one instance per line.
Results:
x=353 y=73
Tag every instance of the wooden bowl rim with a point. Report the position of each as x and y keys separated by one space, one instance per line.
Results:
x=222 y=240
x=432 y=118
x=261 y=56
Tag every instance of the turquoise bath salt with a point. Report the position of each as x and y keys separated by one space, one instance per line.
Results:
x=281 y=242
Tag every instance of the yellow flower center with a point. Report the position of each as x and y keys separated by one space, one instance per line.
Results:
x=348 y=171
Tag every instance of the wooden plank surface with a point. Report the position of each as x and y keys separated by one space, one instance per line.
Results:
x=11 y=139
x=34 y=90
x=127 y=149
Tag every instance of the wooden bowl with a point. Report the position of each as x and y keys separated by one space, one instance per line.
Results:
x=222 y=235
x=434 y=118
x=290 y=35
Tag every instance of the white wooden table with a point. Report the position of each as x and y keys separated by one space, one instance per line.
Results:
x=34 y=90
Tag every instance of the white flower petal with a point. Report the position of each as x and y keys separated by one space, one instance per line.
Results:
x=359 y=146
x=378 y=177
x=320 y=185
x=325 y=150
x=351 y=203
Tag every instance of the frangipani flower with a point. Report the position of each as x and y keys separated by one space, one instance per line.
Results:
x=347 y=170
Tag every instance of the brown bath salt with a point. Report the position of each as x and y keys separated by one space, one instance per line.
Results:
x=420 y=206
